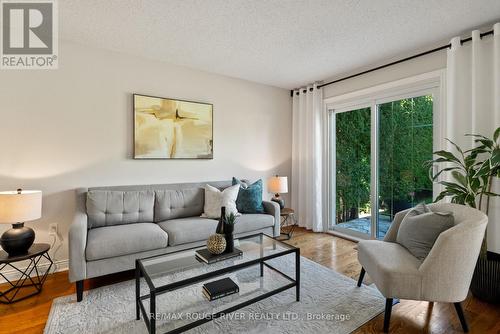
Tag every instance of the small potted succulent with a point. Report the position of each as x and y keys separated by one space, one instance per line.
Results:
x=473 y=172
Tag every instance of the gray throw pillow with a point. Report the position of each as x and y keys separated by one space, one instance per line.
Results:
x=420 y=228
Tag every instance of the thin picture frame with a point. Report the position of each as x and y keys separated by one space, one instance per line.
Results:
x=135 y=154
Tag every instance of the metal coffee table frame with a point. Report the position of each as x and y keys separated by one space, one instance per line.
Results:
x=155 y=291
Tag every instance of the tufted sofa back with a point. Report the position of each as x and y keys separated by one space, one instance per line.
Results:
x=117 y=205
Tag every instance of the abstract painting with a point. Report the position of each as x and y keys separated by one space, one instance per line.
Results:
x=172 y=129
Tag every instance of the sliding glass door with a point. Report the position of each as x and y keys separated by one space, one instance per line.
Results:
x=377 y=156
x=352 y=170
x=405 y=142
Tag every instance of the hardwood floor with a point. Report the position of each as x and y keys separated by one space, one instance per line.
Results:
x=30 y=315
x=407 y=316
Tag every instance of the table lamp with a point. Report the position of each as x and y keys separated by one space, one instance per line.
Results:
x=278 y=184
x=17 y=207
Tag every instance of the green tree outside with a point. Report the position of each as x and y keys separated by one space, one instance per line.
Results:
x=405 y=143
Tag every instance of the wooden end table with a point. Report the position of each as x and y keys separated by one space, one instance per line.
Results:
x=31 y=277
x=289 y=221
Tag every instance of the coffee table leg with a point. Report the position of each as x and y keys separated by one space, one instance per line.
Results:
x=152 y=312
x=297 y=274
x=261 y=255
x=137 y=291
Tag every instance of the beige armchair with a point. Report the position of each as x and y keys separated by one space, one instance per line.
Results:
x=443 y=276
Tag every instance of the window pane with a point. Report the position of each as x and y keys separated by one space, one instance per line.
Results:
x=352 y=175
x=405 y=143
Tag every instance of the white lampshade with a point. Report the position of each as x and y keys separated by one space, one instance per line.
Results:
x=19 y=207
x=277 y=184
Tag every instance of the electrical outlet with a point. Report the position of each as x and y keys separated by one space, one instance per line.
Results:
x=53 y=229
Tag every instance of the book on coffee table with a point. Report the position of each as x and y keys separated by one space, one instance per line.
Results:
x=220 y=288
x=207 y=257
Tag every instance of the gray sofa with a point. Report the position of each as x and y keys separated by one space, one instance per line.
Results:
x=114 y=226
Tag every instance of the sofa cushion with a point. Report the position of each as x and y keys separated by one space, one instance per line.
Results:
x=249 y=196
x=178 y=203
x=185 y=230
x=107 y=208
x=111 y=241
x=252 y=222
x=215 y=199
x=420 y=229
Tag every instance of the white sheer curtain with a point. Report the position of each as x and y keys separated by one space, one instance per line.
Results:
x=473 y=102
x=307 y=150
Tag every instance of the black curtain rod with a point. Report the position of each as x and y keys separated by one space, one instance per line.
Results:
x=443 y=47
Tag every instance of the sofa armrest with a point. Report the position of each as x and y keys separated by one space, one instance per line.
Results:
x=273 y=208
x=448 y=268
x=77 y=244
x=77 y=240
x=392 y=233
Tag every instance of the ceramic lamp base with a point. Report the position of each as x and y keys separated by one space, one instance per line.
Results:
x=279 y=200
x=17 y=240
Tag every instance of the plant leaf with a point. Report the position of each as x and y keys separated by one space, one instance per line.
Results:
x=453 y=186
x=477 y=148
x=456 y=146
x=439 y=160
x=448 y=155
x=434 y=177
x=469 y=161
x=484 y=170
x=495 y=158
x=460 y=178
x=488 y=193
x=474 y=135
x=486 y=142
x=475 y=183
x=471 y=200
x=440 y=196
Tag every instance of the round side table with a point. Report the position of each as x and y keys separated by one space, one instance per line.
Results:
x=32 y=277
x=289 y=222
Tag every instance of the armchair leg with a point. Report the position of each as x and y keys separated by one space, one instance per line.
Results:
x=79 y=291
x=387 y=315
x=361 y=276
x=461 y=316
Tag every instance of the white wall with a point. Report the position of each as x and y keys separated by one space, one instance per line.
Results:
x=72 y=127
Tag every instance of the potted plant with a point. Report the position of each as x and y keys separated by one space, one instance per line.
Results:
x=472 y=172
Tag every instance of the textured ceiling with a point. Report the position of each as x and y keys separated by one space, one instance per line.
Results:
x=284 y=43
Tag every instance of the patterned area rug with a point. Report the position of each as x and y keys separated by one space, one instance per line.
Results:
x=329 y=303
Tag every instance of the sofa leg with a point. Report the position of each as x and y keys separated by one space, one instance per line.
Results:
x=387 y=315
x=461 y=316
x=361 y=276
x=79 y=291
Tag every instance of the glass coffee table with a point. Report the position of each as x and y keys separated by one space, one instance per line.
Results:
x=175 y=301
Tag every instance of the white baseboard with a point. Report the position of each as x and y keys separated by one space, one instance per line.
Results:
x=13 y=274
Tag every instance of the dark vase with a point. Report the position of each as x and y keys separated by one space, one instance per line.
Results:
x=486 y=280
x=228 y=233
x=222 y=220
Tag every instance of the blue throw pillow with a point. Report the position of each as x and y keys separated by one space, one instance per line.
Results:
x=249 y=197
